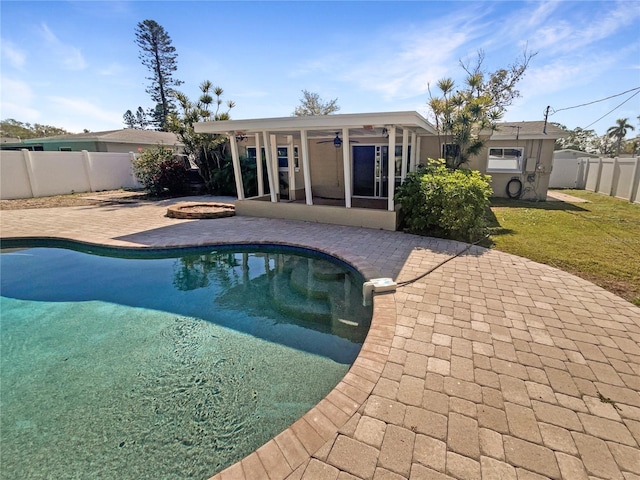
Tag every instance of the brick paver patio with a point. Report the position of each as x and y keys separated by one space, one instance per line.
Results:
x=491 y=367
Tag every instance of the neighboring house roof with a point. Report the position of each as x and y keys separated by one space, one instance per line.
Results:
x=573 y=152
x=527 y=131
x=360 y=124
x=127 y=135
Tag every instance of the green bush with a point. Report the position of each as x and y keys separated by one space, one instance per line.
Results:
x=440 y=202
x=160 y=172
x=173 y=178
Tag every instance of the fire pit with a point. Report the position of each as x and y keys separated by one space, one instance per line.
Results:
x=201 y=210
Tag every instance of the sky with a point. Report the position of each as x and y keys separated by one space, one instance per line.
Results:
x=75 y=65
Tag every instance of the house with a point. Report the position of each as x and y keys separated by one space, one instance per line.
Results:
x=336 y=168
x=119 y=141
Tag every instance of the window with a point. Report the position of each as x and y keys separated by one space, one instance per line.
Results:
x=64 y=149
x=508 y=159
x=450 y=150
x=283 y=158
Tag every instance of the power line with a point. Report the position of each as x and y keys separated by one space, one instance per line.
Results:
x=615 y=108
x=596 y=101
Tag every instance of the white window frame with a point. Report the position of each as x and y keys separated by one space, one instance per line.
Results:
x=496 y=158
x=280 y=157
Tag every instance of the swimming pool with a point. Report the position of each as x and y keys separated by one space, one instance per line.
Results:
x=165 y=363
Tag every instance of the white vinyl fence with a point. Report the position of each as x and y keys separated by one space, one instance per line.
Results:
x=26 y=174
x=618 y=177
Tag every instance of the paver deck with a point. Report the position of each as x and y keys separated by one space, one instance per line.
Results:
x=491 y=367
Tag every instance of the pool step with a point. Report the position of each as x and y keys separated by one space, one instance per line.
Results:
x=290 y=301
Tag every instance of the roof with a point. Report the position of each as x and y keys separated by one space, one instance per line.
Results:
x=575 y=152
x=359 y=124
x=126 y=135
x=367 y=124
x=527 y=131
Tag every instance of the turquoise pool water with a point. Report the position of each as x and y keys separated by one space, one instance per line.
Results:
x=168 y=367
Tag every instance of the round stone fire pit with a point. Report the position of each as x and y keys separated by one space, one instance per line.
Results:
x=201 y=210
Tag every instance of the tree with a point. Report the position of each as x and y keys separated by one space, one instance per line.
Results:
x=141 y=119
x=16 y=129
x=159 y=56
x=619 y=131
x=137 y=120
x=207 y=150
x=312 y=104
x=464 y=116
x=129 y=119
x=578 y=139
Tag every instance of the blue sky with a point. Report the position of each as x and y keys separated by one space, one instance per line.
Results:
x=75 y=64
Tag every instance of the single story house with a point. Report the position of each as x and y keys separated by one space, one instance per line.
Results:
x=117 y=141
x=336 y=168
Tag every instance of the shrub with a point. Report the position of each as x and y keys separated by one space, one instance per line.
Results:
x=445 y=203
x=173 y=177
x=160 y=172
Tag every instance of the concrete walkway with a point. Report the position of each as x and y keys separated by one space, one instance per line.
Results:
x=491 y=367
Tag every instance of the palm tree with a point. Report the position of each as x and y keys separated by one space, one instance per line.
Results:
x=619 y=131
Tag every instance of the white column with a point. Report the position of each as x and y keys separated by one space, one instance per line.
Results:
x=412 y=157
x=291 y=168
x=391 y=170
x=267 y=152
x=237 y=173
x=259 y=171
x=405 y=154
x=275 y=166
x=306 y=172
x=418 y=145
x=346 y=163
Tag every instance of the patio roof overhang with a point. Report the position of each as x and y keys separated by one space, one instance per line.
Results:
x=400 y=128
x=359 y=124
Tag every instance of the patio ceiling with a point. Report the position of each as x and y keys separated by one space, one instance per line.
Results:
x=323 y=126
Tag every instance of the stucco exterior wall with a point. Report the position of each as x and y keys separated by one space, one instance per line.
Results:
x=535 y=183
x=357 y=217
x=327 y=173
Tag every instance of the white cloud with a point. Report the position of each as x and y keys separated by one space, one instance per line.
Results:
x=70 y=57
x=400 y=61
x=77 y=114
x=567 y=32
x=15 y=101
x=13 y=54
x=111 y=70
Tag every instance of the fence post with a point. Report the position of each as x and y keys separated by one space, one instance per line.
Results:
x=598 y=176
x=614 y=178
x=26 y=156
x=585 y=177
x=635 y=180
x=86 y=157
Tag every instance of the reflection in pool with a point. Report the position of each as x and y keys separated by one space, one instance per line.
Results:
x=174 y=366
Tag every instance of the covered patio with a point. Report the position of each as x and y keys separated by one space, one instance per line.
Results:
x=339 y=169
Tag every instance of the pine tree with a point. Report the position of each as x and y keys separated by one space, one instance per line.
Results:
x=129 y=119
x=159 y=56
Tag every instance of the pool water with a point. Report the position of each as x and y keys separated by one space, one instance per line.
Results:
x=169 y=367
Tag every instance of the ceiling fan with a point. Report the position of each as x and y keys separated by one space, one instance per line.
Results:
x=337 y=142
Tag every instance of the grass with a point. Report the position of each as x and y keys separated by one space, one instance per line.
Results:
x=598 y=241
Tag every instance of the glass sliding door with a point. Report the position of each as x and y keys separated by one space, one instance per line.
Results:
x=371 y=170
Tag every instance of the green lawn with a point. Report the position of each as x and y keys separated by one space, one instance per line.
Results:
x=598 y=241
